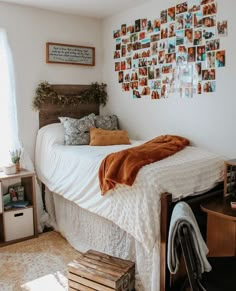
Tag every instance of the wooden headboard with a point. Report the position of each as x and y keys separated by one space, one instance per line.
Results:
x=49 y=113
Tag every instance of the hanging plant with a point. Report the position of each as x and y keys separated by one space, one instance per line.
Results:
x=44 y=92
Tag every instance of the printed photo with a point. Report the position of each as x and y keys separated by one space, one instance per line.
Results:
x=120 y=76
x=145 y=43
x=209 y=21
x=123 y=65
x=142 y=62
x=136 y=46
x=171 y=14
x=142 y=71
x=210 y=59
x=137 y=25
x=125 y=87
x=209 y=33
x=179 y=23
x=200 y=53
x=143 y=81
x=154 y=48
x=116 y=54
x=209 y=9
x=155 y=37
x=220 y=59
x=123 y=50
x=144 y=24
x=130 y=29
x=135 y=63
x=197 y=37
x=134 y=37
x=133 y=85
x=181 y=58
x=157 y=72
x=166 y=69
x=142 y=35
x=163 y=16
x=157 y=25
x=149 y=26
x=127 y=77
x=146 y=53
x=155 y=84
x=136 y=94
x=164 y=31
x=117 y=66
x=170 y=58
x=171 y=30
x=209 y=74
x=189 y=36
x=123 y=29
x=191 y=54
x=161 y=57
x=134 y=76
x=125 y=40
x=188 y=20
x=164 y=91
x=163 y=44
x=129 y=48
x=155 y=94
x=222 y=28
x=199 y=88
x=171 y=45
x=145 y=91
x=116 y=33
x=182 y=49
x=137 y=56
x=180 y=37
x=198 y=67
x=187 y=92
x=194 y=5
x=197 y=19
x=118 y=46
x=128 y=63
x=181 y=8
x=209 y=86
x=167 y=79
x=154 y=61
x=212 y=45
x=151 y=73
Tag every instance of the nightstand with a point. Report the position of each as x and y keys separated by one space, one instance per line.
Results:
x=17 y=224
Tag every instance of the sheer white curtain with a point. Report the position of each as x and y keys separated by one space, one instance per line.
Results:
x=8 y=113
x=9 y=130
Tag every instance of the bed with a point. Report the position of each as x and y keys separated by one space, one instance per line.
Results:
x=128 y=222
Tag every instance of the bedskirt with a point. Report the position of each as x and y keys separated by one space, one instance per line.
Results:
x=85 y=230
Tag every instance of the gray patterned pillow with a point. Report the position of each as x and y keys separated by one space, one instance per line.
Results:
x=77 y=130
x=109 y=122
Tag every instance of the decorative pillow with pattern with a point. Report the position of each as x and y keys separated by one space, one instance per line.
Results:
x=77 y=130
x=109 y=122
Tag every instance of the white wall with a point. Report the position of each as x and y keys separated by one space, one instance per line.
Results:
x=208 y=120
x=28 y=31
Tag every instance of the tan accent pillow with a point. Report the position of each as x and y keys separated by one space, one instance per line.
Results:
x=103 y=137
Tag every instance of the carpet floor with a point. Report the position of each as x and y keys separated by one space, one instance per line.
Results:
x=38 y=264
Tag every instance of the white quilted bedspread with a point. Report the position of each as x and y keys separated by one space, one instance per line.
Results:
x=71 y=171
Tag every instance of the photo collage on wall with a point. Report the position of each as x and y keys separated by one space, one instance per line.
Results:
x=177 y=52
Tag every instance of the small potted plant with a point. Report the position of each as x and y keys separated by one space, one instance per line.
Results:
x=15 y=158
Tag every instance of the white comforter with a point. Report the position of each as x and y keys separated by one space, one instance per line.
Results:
x=71 y=171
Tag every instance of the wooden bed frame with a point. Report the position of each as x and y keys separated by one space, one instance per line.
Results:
x=50 y=113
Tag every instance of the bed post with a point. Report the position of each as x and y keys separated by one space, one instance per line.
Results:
x=166 y=200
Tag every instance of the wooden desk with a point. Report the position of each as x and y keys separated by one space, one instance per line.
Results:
x=221 y=227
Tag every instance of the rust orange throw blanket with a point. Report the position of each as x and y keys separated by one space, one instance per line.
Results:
x=122 y=167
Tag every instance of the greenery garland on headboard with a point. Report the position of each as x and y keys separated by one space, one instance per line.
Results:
x=95 y=94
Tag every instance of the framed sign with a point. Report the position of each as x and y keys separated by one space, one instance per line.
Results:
x=70 y=54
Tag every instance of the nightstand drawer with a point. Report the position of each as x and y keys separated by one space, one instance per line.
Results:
x=18 y=224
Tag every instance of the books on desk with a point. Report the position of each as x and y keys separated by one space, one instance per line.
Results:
x=16 y=204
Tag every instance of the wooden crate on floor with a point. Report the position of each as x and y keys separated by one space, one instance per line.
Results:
x=98 y=271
